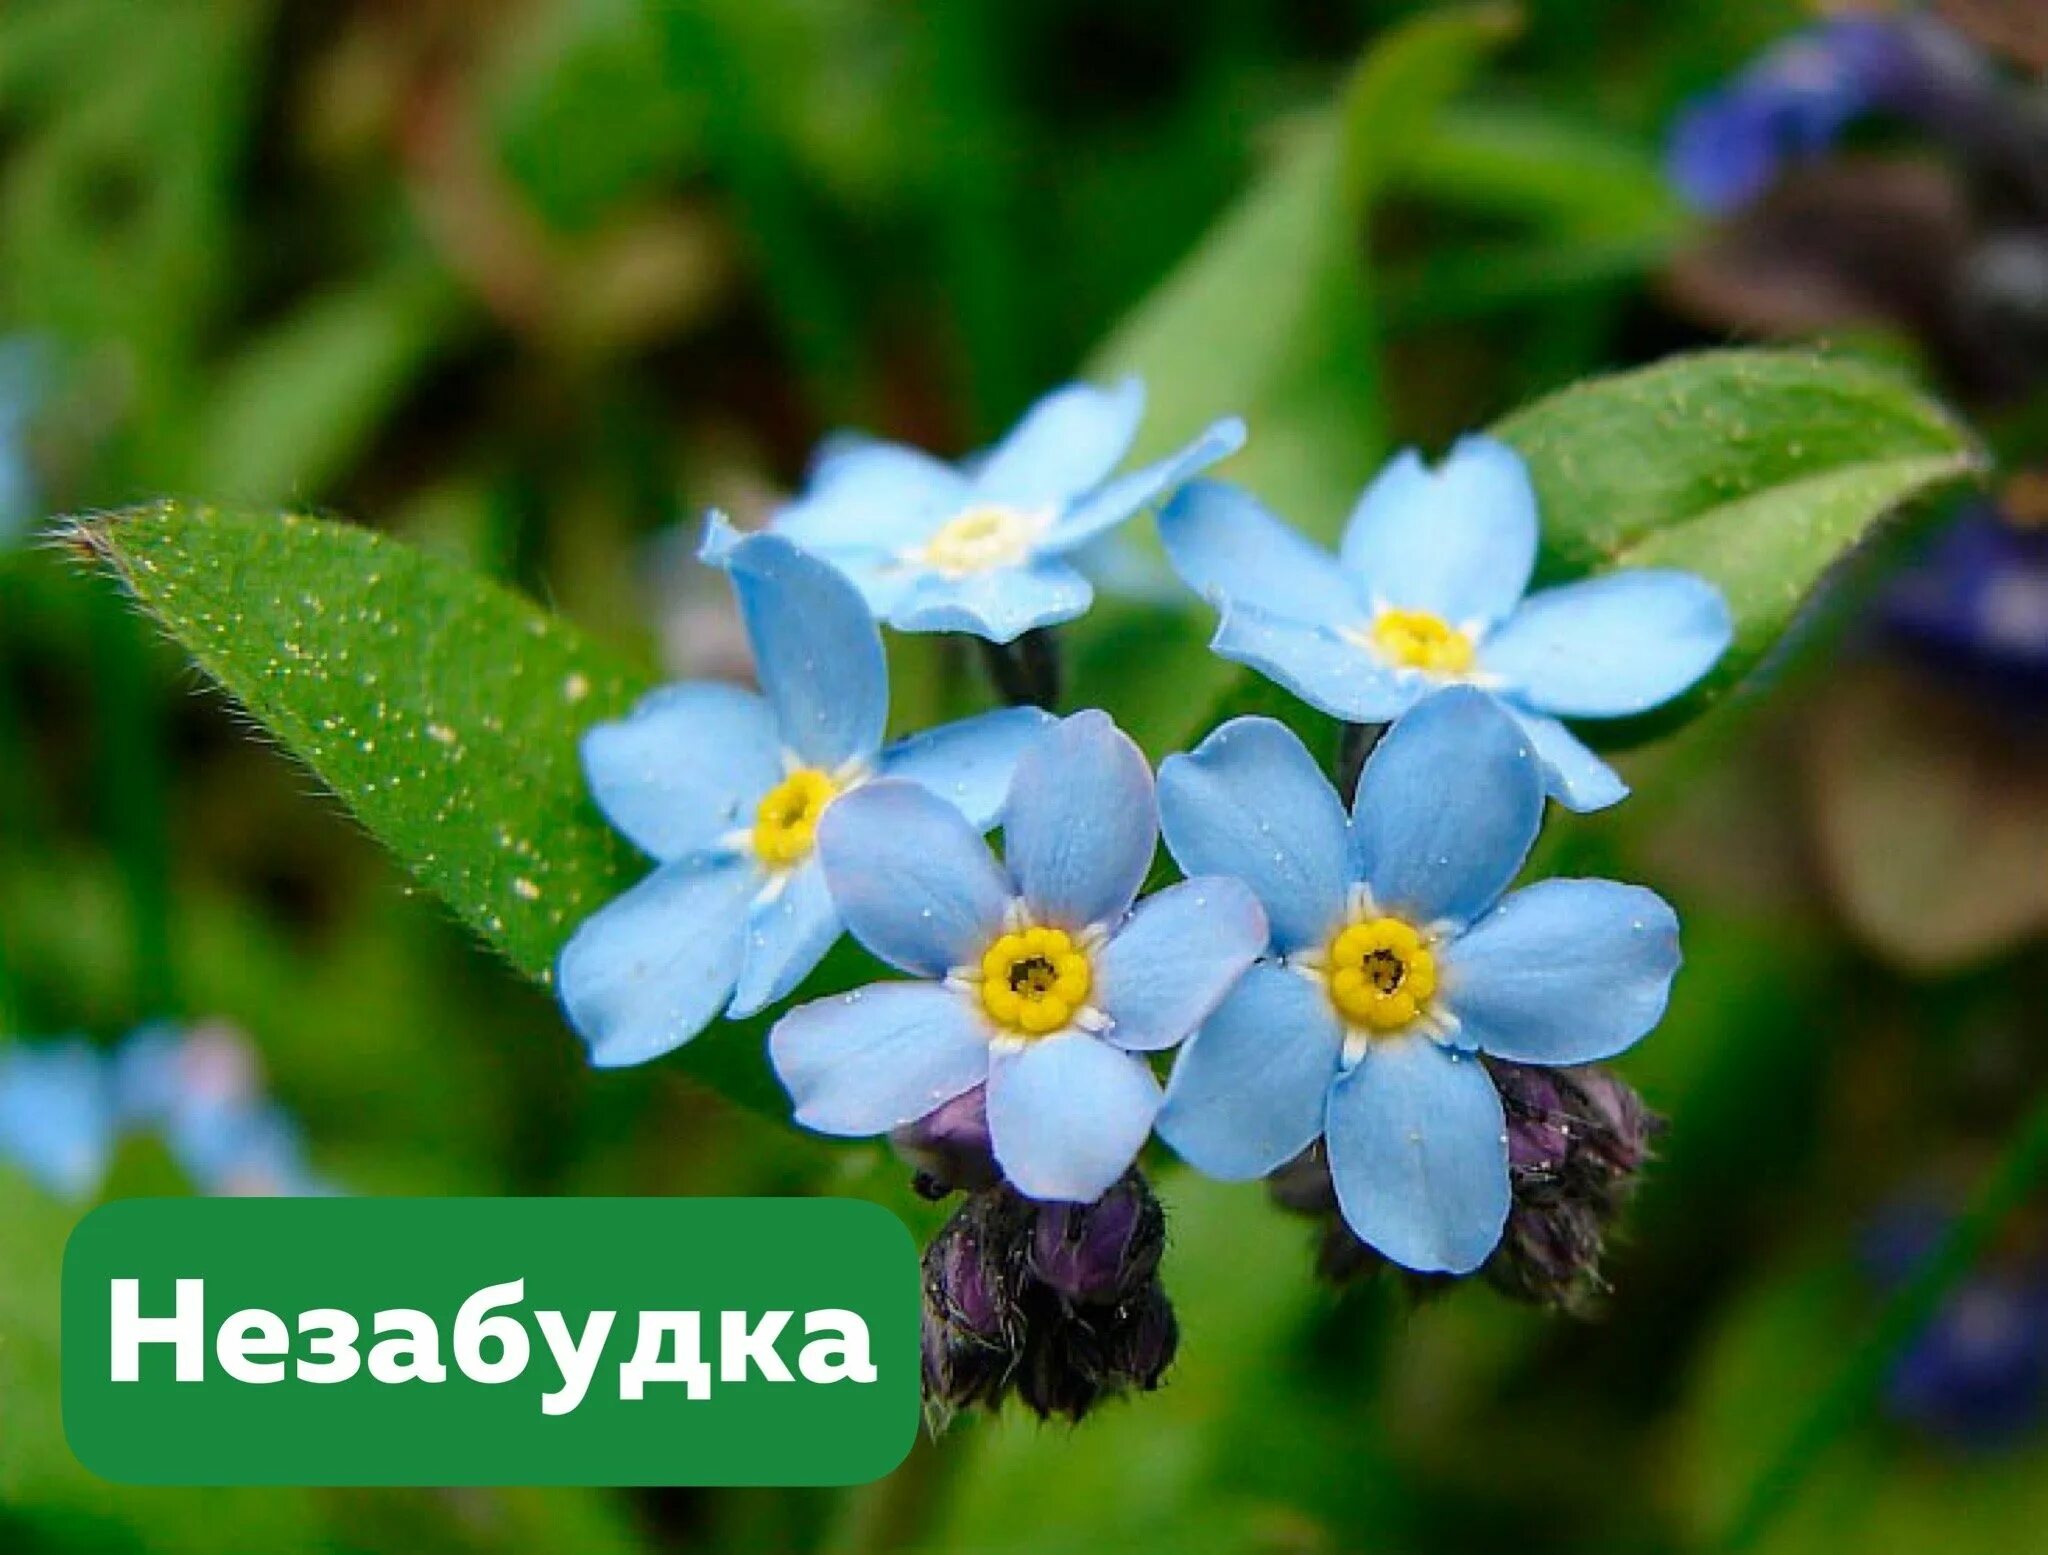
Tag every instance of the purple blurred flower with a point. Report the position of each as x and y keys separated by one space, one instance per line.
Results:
x=1978 y=603
x=1792 y=102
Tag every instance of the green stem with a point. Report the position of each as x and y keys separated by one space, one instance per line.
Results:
x=2018 y=1173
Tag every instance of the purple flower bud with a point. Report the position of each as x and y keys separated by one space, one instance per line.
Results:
x=1058 y=1303
x=1148 y=1341
x=1102 y=1252
x=1576 y=1140
x=949 y=1148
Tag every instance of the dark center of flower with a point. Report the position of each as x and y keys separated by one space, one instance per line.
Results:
x=1033 y=975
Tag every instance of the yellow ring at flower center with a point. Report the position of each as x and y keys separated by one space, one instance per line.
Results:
x=1381 y=975
x=1417 y=640
x=981 y=539
x=786 y=824
x=1035 y=981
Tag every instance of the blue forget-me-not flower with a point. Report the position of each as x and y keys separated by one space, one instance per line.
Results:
x=1038 y=979
x=1793 y=102
x=1428 y=590
x=724 y=788
x=985 y=547
x=1395 y=963
x=66 y=1105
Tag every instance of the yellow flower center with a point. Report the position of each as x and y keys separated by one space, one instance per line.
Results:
x=1417 y=640
x=786 y=824
x=981 y=540
x=1381 y=974
x=1035 y=980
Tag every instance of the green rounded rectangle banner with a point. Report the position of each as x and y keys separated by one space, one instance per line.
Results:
x=490 y=1341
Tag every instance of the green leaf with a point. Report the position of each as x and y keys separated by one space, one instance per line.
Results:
x=442 y=708
x=1758 y=470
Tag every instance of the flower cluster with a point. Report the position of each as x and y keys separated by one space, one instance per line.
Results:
x=1353 y=982
x=66 y=1105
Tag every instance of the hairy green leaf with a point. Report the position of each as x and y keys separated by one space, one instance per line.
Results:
x=442 y=708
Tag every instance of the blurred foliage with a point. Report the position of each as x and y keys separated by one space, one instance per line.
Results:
x=527 y=284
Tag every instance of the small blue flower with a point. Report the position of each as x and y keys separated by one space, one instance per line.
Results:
x=1428 y=590
x=1794 y=101
x=1040 y=981
x=984 y=548
x=57 y=1116
x=1394 y=964
x=724 y=789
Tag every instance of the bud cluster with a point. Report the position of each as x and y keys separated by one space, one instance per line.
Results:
x=1059 y=1304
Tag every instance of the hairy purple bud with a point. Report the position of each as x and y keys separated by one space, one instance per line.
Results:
x=1577 y=1140
x=949 y=1148
x=1103 y=1252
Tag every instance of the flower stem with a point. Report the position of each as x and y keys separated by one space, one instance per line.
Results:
x=1845 y=1401
x=1026 y=673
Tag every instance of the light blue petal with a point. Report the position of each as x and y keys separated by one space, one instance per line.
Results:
x=787 y=937
x=1248 y=1090
x=647 y=972
x=1609 y=646
x=1082 y=823
x=1001 y=605
x=1458 y=541
x=57 y=1119
x=1250 y=801
x=1448 y=807
x=911 y=877
x=1133 y=493
x=1572 y=774
x=872 y=496
x=686 y=767
x=1323 y=669
x=1418 y=1151
x=968 y=764
x=816 y=649
x=880 y=1057
x=1564 y=972
x=1175 y=959
x=1067 y=1115
x=1067 y=443
x=1228 y=548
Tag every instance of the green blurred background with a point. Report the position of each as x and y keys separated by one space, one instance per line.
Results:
x=532 y=283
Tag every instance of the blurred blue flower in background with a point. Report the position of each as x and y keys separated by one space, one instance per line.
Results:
x=1393 y=969
x=1977 y=1374
x=57 y=1117
x=1038 y=978
x=1792 y=102
x=1428 y=590
x=1978 y=603
x=66 y=1105
x=22 y=374
x=984 y=547
x=724 y=788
